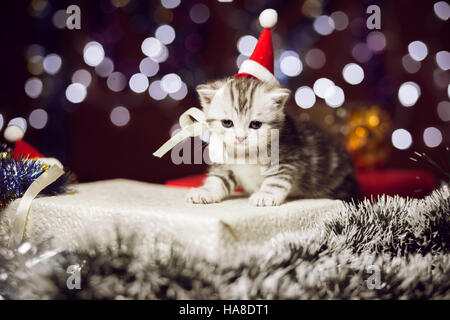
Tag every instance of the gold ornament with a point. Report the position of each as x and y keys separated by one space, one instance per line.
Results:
x=367 y=138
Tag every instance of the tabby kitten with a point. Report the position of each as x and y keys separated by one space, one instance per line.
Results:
x=311 y=164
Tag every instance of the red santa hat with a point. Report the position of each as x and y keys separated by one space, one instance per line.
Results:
x=260 y=64
x=14 y=133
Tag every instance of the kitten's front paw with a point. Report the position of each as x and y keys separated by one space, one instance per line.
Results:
x=265 y=199
x=201 y=195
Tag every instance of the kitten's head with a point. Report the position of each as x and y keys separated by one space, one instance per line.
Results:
x=238 y=110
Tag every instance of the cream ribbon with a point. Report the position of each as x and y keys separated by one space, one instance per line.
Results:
x=23 y=209
x=190 y=128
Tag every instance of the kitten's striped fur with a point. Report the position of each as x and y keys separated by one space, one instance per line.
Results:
x=311 y=163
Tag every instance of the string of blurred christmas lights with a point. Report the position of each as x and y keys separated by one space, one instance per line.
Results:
x=154 y=48
x=288 y=64
x=374 y=44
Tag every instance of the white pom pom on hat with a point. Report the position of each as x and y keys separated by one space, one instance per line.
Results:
x=268 y=18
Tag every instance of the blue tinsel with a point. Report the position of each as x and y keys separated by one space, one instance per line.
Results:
x=17 y=175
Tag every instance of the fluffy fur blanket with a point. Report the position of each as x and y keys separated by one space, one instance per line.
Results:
x=389 y=248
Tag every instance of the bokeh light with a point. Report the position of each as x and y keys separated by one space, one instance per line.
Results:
x=315 y=58
x=165 y=34
x=401 y=139
x=340 y=20
x=34 y=50
x=291 y=65
x=19 y=122
x=240 y=59
x=410 y=65
x=120 y=3
x=93 y=53
x=418 y=50
x=35 y=65
x=138 y=82
x=443 y=110
x=163 y=56
x=441 y=78
x=52 y=63
x=149 y=67
x=174 y=129
x=443 y=60
x=105 y=68
x=171 y=83
x=116 y=81
x=246 y=44
x=321 y=85
x=442 y=10
x=170 y=4
x=120 y=116
x=323 y=25
x=1 y=121
x=155 y=91
x=361 y=52
x=432 y=137
x=38 y=118
x=376 y=41
x=39 y=8
x=199 y=13
x=180 y=94
x=82 y=76
x=33 y=87
x=353 y=73
x=334 y=96
x=409 y=93
x=59 y=19
x=76 y=92
x=286 y=53
x=152 y=47
x=305 y=97
x=312 y=8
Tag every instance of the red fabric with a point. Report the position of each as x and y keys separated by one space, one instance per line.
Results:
x=403 y=182
x=263 y=53
x=244 y=75
x=191 y=182
x=23 y=148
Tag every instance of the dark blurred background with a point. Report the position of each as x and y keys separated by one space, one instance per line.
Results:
x=80 y=90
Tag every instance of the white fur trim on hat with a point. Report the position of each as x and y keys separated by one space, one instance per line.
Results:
x=257 y=70
x=51 y=162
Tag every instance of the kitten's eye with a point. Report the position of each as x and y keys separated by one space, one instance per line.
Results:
x=227 y=123
x=255 y=124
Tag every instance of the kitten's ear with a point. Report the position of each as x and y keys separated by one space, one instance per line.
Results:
x=206 y=93
x=280 y=96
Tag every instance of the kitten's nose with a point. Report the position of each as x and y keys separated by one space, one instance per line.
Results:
x=241 y=139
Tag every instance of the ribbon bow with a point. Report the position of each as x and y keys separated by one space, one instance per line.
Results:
x=191 y=128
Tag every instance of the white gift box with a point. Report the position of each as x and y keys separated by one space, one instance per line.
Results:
x=97 y=210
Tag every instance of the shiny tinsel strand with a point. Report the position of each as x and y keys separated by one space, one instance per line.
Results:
x=16 y=175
